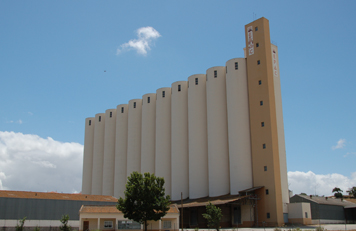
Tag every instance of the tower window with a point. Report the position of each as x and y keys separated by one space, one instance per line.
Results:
x=265 y=168
x=259 y=82
x=99 y=118
x=134 y=105
x=179 y=88
x=257 y=44
x=236 y=65
x=267 y=192
x=148 y=99
x=196 y=81
x=111 y=114
x=163 y=94
x=256 y=28
x=268 y=215
x=261 y=103
x=89 y=122
x=258 y=62
x=262 y=124
x=122 y=109
x=264 y=146
x=215 y=74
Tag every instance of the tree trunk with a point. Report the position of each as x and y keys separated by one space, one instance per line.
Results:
x=145 y=225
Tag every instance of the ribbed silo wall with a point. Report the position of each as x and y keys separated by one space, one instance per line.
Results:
x=197 y=139
x=98 y=154
x=218 y=150
x=134 y=136
x=88 y=155
x=238 y=126
x=179 y=143
x=109 y=152
x=121 y=150
x=148 y=133
x=163 y=136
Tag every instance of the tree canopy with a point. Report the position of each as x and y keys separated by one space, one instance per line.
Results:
x=337 y=192
x=213 y=215
x=352 y=191
x=145 y=198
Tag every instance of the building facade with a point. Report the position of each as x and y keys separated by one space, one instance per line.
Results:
x=215 y=134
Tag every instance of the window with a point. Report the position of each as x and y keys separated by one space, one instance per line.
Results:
x=134 y=105
x=193 y=217
x=236 y=65
x=163 y=94
x=196 y=81
x=122 y=109
x=265 y=168
x=306 y=214
x=111 y=114
x=148 y=99
x=257 y=44
x=264 y=146
x=262 y=124
x=179 y=88
x=89 y=122
x=268 y=215
x=261 y=103
x=108 y=224
x=167 y=224
x=258 y=62
x=128 y=225
x=99 y=118
x=259 y=82
x=256 y=28
x=267 y=192
x=215 y=74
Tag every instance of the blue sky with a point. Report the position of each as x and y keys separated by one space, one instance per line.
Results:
x=59 y=65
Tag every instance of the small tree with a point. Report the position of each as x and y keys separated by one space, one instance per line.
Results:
x=22 y=223
x=213 y=215
x=64 y=221
x=352 y=191
x=337 y=192
x=145 y=198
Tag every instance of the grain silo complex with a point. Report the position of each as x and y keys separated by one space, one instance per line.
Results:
x=216 y=135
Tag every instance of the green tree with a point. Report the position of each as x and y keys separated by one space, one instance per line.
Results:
x=64 y=220
x=145 y=198
x=22 y=223
x=213 y=215
x=337 y=192
x=352 y=191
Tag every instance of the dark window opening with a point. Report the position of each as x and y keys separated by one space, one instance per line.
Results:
x=134 y=105
x=237 y=215
x=261 y=102
x=265 y=168
x=236 y=65
x=268 y=215
x=256 y=28
x=215 y=74
x=163 y=94
x=99 y=118
x=111 y=114
x=122 y=109
x=257 y=44
x=262 y=124
x=89 y=122
x=196 y=81
x=264 y=146
x=258 y=62
x=148 y=99
x=259 y=82
x=179 y=88
x=267 y=192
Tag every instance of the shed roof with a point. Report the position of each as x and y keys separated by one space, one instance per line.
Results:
x=55 y=196
x=112 y=209
x=326 y=200
x=220 y=200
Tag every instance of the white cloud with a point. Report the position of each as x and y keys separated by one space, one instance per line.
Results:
x=340 y=144
x=142 y=44
x=31 y=163
x=311 y=183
